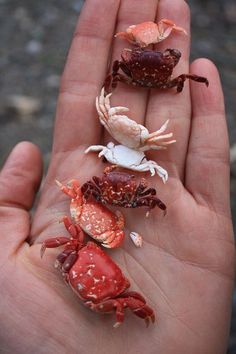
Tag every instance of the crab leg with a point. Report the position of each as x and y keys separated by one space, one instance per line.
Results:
x=105 y=99
x=152 y=166
x=152 y=147
x=132 y=300
x=112 y=79
x=69 y=262
x=109 y=306
x=155 y=144
x=137 y=304
x=62 y=257
x=52 y=243
x=90 y=188
x=161 y=130
x=179 y=81
x=94 y=148
x=142 y=187
x=151 y=202
x=148 y=191
x=72 y=189
x=122 y=78
x=156 y=137
x=75 y=231
x=101 y=111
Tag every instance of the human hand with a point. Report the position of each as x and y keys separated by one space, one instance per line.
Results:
x=185 y=268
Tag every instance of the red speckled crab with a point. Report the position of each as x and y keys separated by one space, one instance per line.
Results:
x=121 y=189
x=96 y=220
x=95 y=278
x=149 y=68
x=149 y=32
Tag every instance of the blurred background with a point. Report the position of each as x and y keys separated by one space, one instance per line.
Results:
x=35 y=38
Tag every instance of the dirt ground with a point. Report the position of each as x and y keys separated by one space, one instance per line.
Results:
x=35 y=38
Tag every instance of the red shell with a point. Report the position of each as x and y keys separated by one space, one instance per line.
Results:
x=95 y=277
x=94 y=218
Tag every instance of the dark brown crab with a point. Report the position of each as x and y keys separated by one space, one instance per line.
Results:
x=121 y=189
x=149 y=68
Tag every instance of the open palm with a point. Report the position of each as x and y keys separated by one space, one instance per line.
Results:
x=185 y=267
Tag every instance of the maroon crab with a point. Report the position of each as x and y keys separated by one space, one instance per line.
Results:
x=95 y=277
x=149 y=68
x=121 y=189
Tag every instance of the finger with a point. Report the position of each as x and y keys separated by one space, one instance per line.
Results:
x=19 y=181
x=76 y=118
x=167 y=104
x=20 y=176
x=207 y=164
x=127 y=96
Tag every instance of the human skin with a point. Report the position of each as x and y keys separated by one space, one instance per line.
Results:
x=185 y=268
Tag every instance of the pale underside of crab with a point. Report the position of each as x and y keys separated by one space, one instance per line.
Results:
x=126 y=131
x=131 y=159
x=146 y=33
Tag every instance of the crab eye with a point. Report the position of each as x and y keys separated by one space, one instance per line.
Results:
x=176 y=54
x=68 y=184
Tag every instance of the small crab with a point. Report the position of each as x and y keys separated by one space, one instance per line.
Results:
x=150 y=69
x=131 y=159
x=121 y=189
x=95 y=277
x=126 y=131
x=96 y=220
x=149 y=32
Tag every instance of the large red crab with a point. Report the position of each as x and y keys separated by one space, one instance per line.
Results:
x=149 y=68
x=95 y=278
x=94 y=218
x=121 y=189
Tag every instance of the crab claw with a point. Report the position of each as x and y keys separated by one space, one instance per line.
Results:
x=146 y=33
x=129 y=299
x=165 y=27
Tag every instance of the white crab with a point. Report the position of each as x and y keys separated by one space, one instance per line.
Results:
x=126 y=131
x=123 y=156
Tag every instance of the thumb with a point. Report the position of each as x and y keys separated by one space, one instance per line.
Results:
x=19 y=181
